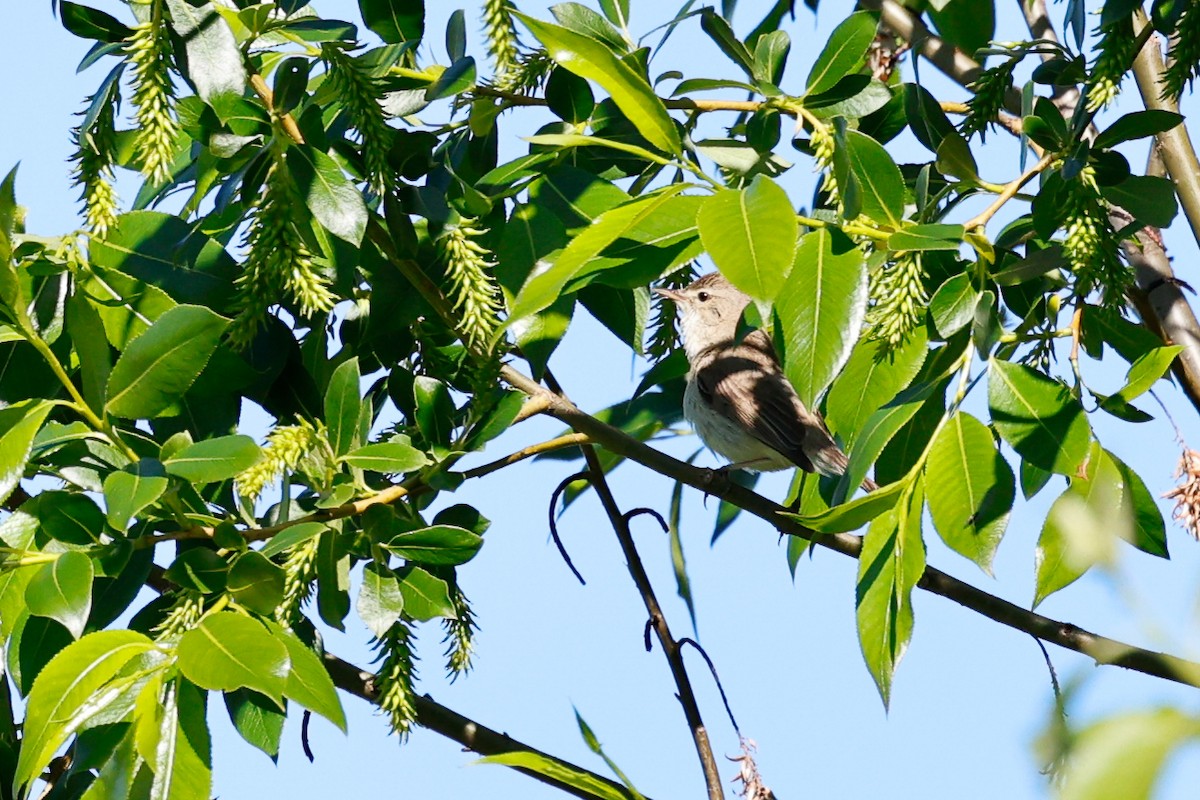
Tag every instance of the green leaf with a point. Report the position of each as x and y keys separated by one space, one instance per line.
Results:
x=256 y=583
x=569 y=96
x=543 y=288
x=1150 y=199
x=70 y=517
x=820 y=307
x=161 y=364
x=933 y=236
x=843 y=52
x=1137 y=125
x=183 y=756
x=127 y=491
x=292 y=536
x=308 y=682
x=394 y=21
x=853 y=515
x=380 y=600
x=1146 y=370
x=328 y=193
x=590 y=59
x=751 y=236
x=1149 y=532
x=878 y=430
x=214 y=62
x=561 y=772
x=214 y=460
x=891 y=563
x=976 y=489
x=953 y=305
x=439 y=545
x=78 y=685
x=954 y=157
x=95 y=359
x=387 y=457
x=719 y=31
x=457 y=78
x=91 y=23
x=1121 y=757
x=1083 y=524
x=229 y=651
x=1038 y=417
x=925 y=116
x=877 y=177
x=966 y=24
x=870 y=379
x=343 y=406
x=19 y=424
x=62 y=591
x=425 y=596
x=257 y=719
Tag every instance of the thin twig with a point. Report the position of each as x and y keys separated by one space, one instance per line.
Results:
x=557 y=493
x=716 y=679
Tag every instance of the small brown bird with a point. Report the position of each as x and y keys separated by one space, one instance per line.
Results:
x=737 y=397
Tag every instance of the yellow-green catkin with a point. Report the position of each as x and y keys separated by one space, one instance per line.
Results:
x=990 y=90
x=822 y=144
x=299 y=572
x=359 y=94
x=898 y=300
x=459 y=635
x=286 y=447
x=396 y=675
x=183 y=615
x=472 y=290
x=278 y=262
x=529 y=72
x=148 y=50
x=501 y=32
x=1089 y=243
x=94 y=156
x=1183 y=62
x=1116 y=52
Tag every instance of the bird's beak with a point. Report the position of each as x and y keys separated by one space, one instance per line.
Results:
x=670 y=294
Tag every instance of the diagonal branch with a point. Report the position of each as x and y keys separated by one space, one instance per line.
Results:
x=1103 y=649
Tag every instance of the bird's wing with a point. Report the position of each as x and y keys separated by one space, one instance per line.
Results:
x=744 y=383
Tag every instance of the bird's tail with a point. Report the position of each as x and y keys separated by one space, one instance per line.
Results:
x=830 y=460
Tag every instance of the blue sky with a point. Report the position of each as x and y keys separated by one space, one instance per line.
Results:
x=969 y=698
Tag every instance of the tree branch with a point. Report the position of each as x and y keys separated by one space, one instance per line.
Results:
x=467 y=732
x=1104 y=650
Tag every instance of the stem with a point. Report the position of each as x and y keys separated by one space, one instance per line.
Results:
x=1009 y=191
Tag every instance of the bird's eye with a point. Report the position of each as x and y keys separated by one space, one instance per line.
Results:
x=703 y=297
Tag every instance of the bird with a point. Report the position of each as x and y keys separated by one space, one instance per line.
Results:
x=737 y=398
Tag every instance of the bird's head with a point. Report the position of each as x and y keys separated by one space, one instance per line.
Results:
x=709 y=311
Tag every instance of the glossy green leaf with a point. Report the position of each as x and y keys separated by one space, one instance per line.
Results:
x=214 y=62
x=158 y=366
x=458 y=78
x=328 y=193
x=183 y=755
x=544 y=287
x=199 y=569
x=1038 y=417
x=72 y=690
x=438 y=545
x=854 y=514
x=292 y=536
x=569 y=96
x=425 y=596
x=62 y=591
x=95 y=358
x=925 y=116
x=19 y=424
x=308 y=683
x=719 y=31
x=875 y=435
x=1150 y=199
x=257 y=719
x=590 y=59
x=394 y=21
x=975 y=492
x=1149 y=532
x=380 y=600
x=891 y=563
x=128 y=491
x=70 y=517
x=870 y=379
x=843 y=53
x=932 y=236
x=751 y=236
x=213 y=460
x=561 y=772
x=229 y=651
x=256 y=582
x=1137 y=125
x=953 y=304
x=343 y=406
x=1146 y=370
x=820 y=308
x=877 y=177
x=91 y=23
x=387 y=457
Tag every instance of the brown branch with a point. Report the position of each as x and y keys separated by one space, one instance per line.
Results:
x=1102 y=649
x=671 y=647
x=268 y=97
